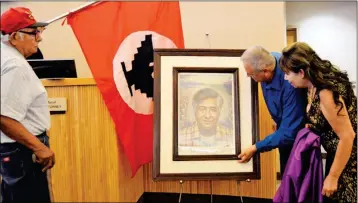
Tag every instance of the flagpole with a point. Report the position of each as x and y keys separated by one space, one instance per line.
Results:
x=74 y=10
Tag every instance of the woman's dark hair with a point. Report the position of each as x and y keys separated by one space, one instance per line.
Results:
x=321 y=73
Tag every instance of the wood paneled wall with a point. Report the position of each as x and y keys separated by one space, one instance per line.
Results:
x=91 y=167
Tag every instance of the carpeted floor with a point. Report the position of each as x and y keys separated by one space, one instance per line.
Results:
x=151 y=197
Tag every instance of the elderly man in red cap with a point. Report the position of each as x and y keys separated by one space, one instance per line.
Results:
x=24 y=152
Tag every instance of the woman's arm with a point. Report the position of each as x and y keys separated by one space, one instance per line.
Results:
x=343 y=128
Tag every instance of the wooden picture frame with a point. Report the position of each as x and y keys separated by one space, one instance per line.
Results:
x=168 y=162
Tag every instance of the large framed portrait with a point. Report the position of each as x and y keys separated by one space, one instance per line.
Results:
x=205 y=112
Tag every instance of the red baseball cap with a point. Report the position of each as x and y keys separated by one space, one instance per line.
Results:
x=17 y=18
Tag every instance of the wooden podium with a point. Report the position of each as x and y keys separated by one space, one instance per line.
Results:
x=90 y=164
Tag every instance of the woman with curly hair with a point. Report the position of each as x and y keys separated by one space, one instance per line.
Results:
x=331 y=114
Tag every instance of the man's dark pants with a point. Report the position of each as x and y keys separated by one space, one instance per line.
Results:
x=284 y=156
x=22 y=179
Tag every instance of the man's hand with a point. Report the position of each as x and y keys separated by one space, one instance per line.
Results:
x=247 y=154
x=45 y=157
x=16 y=131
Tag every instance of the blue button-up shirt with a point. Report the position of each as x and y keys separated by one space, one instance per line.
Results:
x=287 y=106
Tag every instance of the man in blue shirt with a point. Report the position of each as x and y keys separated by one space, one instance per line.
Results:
x=285 y=103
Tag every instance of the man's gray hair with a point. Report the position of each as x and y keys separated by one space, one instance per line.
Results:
x=207 y=93
x=258 y=57
x=6 y=38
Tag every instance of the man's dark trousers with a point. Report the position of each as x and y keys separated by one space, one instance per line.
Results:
x=22 y=179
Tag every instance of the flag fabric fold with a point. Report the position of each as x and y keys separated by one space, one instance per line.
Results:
x=117 y=39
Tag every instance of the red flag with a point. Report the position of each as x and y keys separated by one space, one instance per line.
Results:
x=117 y=39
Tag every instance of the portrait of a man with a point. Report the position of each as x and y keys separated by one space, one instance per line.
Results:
x=210 y=127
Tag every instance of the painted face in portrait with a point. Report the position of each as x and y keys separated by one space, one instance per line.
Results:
x=207 y=114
